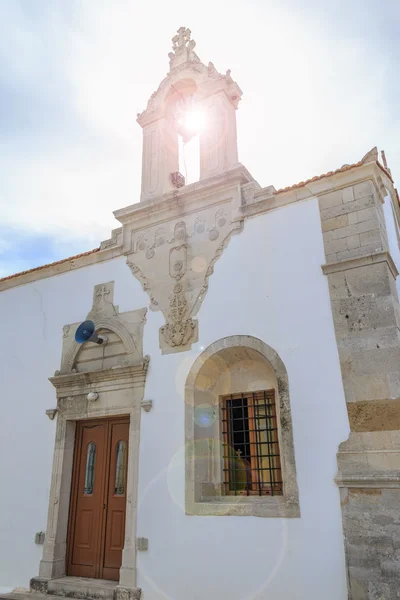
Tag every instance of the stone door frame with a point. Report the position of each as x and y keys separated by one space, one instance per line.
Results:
x=75 y=402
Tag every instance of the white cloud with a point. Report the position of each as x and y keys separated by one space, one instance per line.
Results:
x=314 y=98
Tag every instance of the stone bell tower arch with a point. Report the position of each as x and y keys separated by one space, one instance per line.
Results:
x=190 y=86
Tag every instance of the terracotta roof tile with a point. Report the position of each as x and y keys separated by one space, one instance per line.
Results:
x=317 y=177
x=58 y=262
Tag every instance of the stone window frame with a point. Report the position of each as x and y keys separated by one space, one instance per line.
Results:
x=284 y=506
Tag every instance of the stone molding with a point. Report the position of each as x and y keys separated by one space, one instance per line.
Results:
x=191 y=198
x=105 y=380
x=286 y=505
x=64 y=266
x=114 y=241
x=362 y=261
x=371 y=480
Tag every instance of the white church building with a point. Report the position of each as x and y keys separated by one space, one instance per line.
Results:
x=232 y=428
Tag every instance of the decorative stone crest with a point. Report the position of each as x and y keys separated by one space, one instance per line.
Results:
x=183 y=254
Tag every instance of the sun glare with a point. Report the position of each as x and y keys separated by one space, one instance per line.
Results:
x=193 y=121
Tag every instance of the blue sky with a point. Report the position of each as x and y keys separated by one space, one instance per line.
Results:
x=320 y=88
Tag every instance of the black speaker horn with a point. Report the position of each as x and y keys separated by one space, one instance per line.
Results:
x=86 y=332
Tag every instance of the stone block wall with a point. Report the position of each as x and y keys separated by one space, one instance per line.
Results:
x=353 y=224
x=371 y=523
x=365 y=308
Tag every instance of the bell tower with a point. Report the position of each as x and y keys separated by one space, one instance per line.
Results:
x=193 y=99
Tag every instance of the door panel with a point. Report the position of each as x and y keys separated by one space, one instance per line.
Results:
x=89 y=500
x=98 y=499
x=116 y=500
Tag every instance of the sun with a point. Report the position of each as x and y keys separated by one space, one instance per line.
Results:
x=193 y=121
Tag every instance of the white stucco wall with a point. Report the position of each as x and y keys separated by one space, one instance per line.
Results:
x=268 y=284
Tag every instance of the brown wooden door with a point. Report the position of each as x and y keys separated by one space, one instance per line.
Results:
x=98 y=499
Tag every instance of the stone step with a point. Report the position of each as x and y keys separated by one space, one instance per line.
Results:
x=82 y=587
x=27 y=595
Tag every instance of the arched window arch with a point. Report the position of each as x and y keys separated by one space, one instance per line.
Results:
x=239 y=442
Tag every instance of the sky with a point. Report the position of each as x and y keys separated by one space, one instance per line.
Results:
x=320 y=89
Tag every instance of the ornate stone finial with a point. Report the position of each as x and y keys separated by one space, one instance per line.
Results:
x=212 y=71
x=182 y=38
x=183 y=48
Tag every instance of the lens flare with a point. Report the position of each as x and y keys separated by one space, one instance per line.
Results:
x=193 y=121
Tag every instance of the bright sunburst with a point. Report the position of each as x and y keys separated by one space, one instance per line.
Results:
x=193 y=121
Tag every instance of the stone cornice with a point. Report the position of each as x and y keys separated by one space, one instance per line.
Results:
x=362 y=261
x=369 y=480
x=193 y=196
x=266 y=199
x=74 y=384
x=184 y=200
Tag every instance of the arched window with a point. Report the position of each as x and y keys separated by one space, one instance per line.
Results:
x=120 y=469
x=239 y=441
x=90 y=466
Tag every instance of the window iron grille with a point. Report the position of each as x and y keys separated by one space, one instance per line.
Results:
x=251 y=454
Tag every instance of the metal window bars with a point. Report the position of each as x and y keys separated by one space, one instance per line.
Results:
x=250 y=444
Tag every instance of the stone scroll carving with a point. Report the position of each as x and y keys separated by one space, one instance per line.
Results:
x=173 y=263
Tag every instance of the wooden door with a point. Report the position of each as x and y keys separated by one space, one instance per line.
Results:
x=98 y=500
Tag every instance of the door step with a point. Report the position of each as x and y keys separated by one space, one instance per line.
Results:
x=73 y=587
x=26 y=595
x=82 y=587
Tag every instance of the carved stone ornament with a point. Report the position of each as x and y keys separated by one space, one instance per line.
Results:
x=147 y=405
x=124 y=330
x=183 y=254
x=51 y=413
x=183 y=48
x=142 y=544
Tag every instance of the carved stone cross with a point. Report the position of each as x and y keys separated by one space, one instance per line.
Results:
x=102 y=292
x=181 y=38
x=101 y=305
